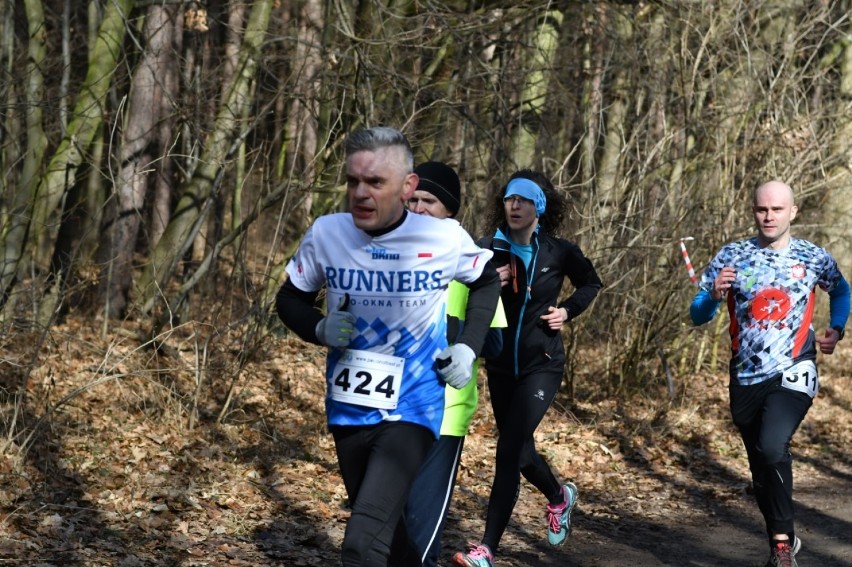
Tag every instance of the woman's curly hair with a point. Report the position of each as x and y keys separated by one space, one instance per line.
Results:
x=554 y=213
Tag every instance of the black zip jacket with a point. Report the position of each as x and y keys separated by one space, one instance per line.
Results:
x=529 y=345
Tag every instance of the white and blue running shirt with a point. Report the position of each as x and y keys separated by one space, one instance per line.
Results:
x=397 y=286
x=771 y=303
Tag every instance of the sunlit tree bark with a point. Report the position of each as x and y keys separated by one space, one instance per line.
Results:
x=609 y=187
x=594 y=64
x=219 y=147
x=165 y=181
x=15 y=231
x=33 y=225
x=137 y=158
x=236 y=17
x=7 y=96
x=544 y=36
x=838 y=210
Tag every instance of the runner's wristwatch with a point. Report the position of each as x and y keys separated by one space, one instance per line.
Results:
x=840 y=330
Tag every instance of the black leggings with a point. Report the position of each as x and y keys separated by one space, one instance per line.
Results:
x=519 y=406
x=767 y=416
x=378 y=464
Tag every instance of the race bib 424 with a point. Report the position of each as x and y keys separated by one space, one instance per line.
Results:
x=367 y=378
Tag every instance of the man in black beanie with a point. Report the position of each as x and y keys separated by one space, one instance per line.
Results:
x=417 y=542
x=438 y=192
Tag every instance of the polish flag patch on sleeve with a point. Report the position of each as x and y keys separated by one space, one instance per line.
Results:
x=424 y=254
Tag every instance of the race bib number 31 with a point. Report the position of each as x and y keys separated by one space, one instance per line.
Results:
x=367 y=378
x=802 y=377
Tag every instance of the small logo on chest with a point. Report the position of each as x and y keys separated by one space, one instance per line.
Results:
x=382 y=254
x=798 y=271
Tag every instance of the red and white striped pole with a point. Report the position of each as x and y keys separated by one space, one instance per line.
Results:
x=692 y=277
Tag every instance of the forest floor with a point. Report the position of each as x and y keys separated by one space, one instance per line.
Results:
x=139 y=459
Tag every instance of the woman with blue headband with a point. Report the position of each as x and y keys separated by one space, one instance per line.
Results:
x=525 y=378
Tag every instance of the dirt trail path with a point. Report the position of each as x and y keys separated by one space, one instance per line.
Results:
x=680 y=498
x=119 y=479
x=728 y=535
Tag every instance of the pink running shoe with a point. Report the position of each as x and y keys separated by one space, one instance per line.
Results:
x=478 y=556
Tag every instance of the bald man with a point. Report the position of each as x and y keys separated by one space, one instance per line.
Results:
x=768 y=284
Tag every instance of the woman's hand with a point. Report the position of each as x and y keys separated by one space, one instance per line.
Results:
x=505 y=273
x=554 y=317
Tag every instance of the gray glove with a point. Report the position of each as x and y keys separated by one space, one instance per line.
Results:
x=455 y=364
x=336 y=328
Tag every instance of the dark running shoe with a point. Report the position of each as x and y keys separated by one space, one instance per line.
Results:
x=782 y=554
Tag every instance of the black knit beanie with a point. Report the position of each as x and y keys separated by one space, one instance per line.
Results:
x=442 y=181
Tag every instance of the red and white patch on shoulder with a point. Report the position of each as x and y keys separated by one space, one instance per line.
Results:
x=798 y=271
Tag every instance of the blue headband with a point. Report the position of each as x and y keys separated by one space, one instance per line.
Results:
x=530 y=191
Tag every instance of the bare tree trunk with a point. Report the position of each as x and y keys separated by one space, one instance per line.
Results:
x=196 y=199
x=66 y=65
x=211 y=230
x=236 y=17
x=233 y=34
x=136 y=157
x=7 y=96
x=303 y=128
x=161 y=205
x=507 y=67
x=36 y=138
x=560 y=115
x=595 y=65
x=15 y=232
x=544 y=36
x=30 y=225
x=838 y=209
x=608 y=185
x=95 y=198
x=302 y=134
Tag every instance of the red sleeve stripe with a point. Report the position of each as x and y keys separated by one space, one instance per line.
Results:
x=733 y=328
x=801 y=335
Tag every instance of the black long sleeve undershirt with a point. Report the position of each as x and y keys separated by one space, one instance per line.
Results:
x=481 y=304
x=298 y=311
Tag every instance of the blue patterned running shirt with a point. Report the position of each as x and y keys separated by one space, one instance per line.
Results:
x=771 y=304
x=397 y=287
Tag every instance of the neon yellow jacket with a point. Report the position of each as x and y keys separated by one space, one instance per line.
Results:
x=459 y=405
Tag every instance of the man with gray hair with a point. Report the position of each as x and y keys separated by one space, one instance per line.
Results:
x=385 y=272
